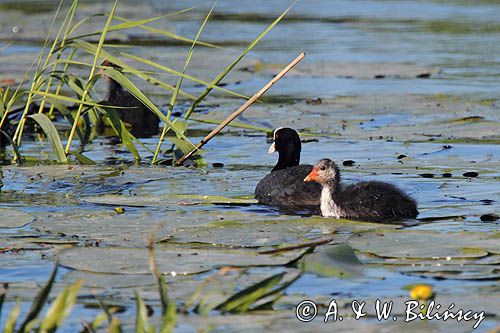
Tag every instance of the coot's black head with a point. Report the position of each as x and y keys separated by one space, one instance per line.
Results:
x=108 y=63
x=287 y=144
x=113 y=86
x=324 y=172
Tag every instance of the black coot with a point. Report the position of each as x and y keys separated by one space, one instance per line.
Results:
x=143 y=122
x=9 y=125
x=284 y=187
x=368 y=201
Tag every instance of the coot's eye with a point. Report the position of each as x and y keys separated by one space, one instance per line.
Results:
x=323 y=168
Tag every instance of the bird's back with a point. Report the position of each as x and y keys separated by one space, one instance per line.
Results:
x=376 y=201
x=143 y=121
x=286 y=189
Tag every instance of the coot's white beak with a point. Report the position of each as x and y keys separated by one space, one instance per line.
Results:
x=272 y=148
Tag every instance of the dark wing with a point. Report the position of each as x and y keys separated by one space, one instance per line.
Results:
x=143 y=122
x=286 y=188
x=377 y=201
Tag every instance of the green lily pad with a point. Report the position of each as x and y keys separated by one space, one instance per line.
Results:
x=368 y=258
x=333 y=261
x=162 y=200
x=11 y=218
x=171 y=261
x=424 y=244
x=15 y=245
x=456 y=272
x=251 y=234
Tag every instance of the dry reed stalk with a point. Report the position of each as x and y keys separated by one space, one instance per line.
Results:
x=241 y=109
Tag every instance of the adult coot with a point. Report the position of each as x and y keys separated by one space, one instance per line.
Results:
x=143 y=122
x=284 y=186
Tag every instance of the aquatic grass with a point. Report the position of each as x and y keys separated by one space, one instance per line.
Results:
x=127 y=24
x=173 y=36
x=126 y=83
x=38 y=77
x=209 y=85
x=55 y=63
x=142 y=74
x=69 y=18
x=168 y=306
x=60 y=308
x=241 y=109
x=60 y=83
x=39 y=301
x=13 y=145
x=91 y=75
x=259 y=296
x=5 y=286
x=4 y=93
x=52 y=135
x=10 y=324
x=228 y=69
x=179 y=84
x=121 y=131
x=141 y=315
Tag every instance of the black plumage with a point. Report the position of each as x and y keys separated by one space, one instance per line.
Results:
x=7 y=129
x=368 y=201
x=143 y=122
x=12 y=119
x=284 y=186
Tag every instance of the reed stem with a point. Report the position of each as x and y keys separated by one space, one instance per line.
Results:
x=241 y=109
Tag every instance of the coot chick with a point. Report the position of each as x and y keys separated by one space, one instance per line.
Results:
x=284 y=186
x=143 y=122
x=367 y=201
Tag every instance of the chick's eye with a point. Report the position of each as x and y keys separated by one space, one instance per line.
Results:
x=323 y=168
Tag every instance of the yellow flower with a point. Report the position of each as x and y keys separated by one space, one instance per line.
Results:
x=421 y=292
x=119 y=210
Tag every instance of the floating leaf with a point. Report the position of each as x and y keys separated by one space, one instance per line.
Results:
x=13 y=218
x=180 y=261
x=333 y=261
x=416 y=244
x=171 y=199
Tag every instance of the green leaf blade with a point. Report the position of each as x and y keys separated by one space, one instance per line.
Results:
x=52 y=135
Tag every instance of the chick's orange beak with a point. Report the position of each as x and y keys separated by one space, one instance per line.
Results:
x=312 y=176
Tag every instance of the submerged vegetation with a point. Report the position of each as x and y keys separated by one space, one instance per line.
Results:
x=56 y=98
